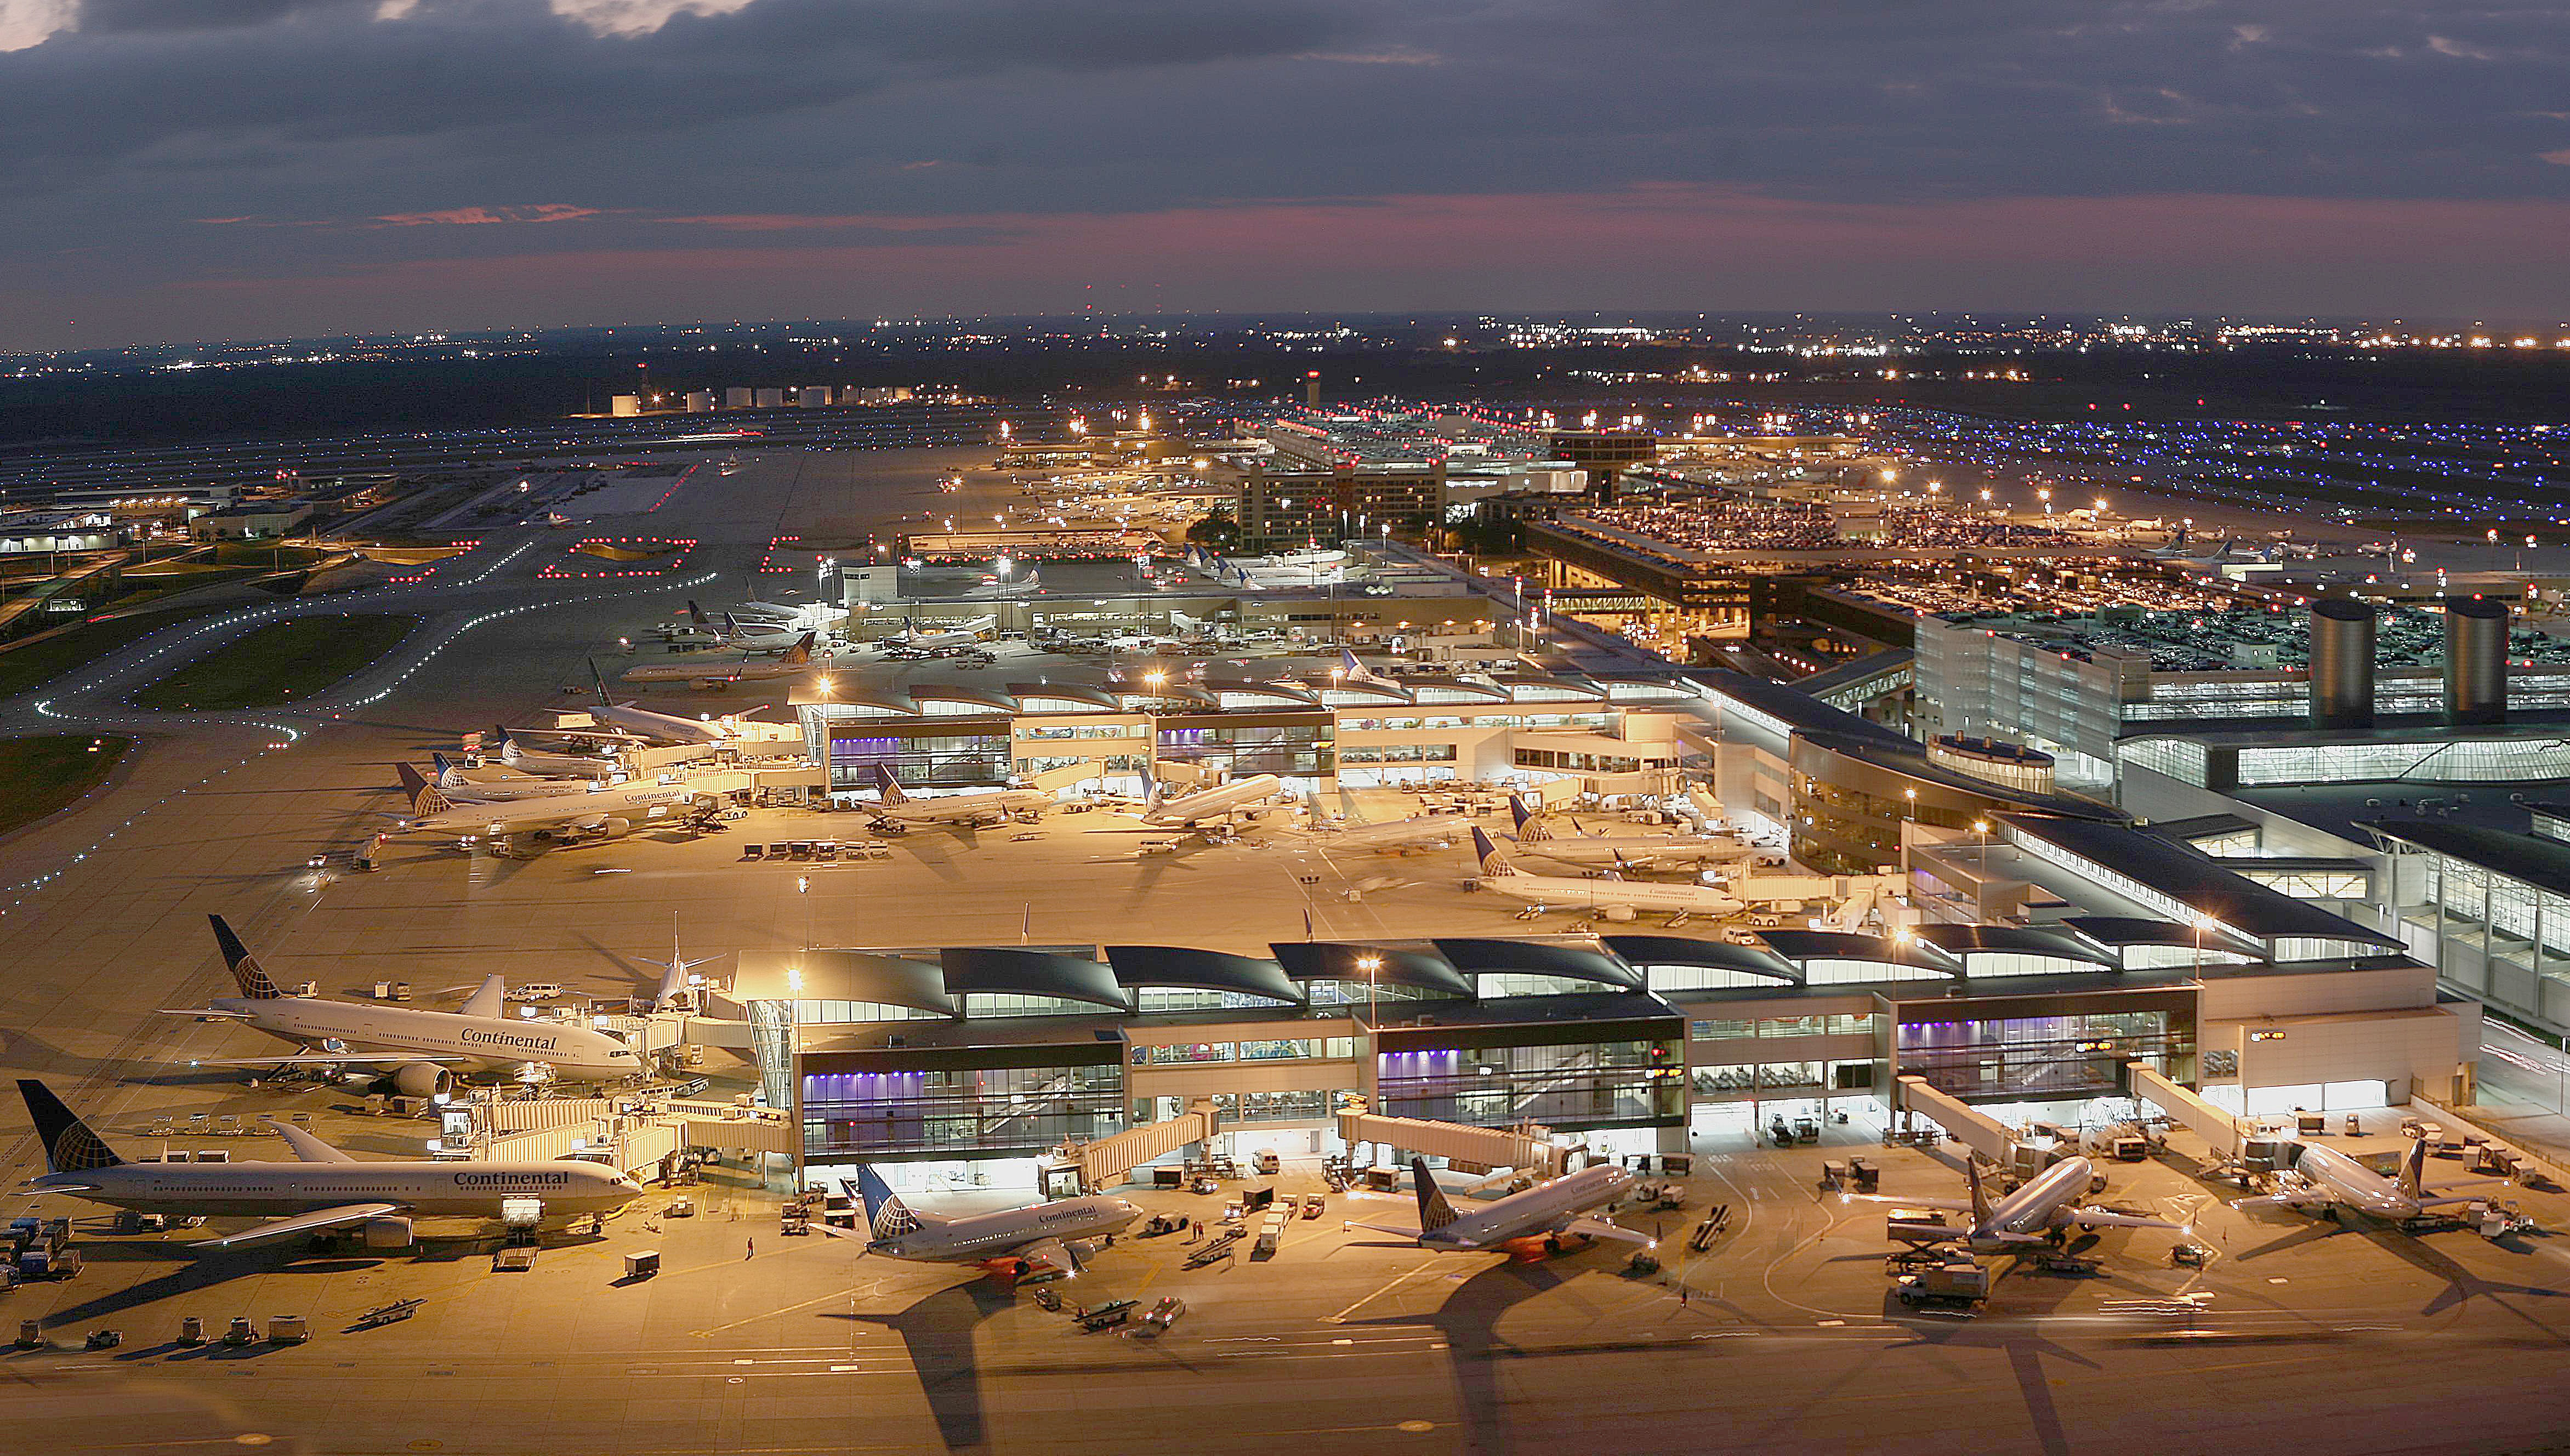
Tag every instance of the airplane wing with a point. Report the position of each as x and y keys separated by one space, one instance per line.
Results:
x=327 y=1059
x=206 y=1013
x=1051 y=1254
x=1950 y=1206
x=1588 y=1228
x=308 y=1149
x=315 y=1221
x=2279 y=1200
x=1409 y=1233
x=2099 y=1218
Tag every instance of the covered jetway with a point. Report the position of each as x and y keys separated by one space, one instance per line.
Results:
x=2217 y=1128
x=1104 y=1163
x=1963 y=1123
x=1529 y=1148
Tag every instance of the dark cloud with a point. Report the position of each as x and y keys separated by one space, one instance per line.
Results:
x=910 y=114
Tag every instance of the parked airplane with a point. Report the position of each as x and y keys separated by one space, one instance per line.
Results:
x=989 y=807
x=1577 y=847
x=2046 y=1207
x=1550 y=1211
x=1353 y=671
x=963 y=634
x=420 y=1047
x=766 y=639
x=1610 y=893
x=1027 y=586
x=1016 y=1241
x=322 y=1188
x=517 y=756
x=678 y=990
x=601 y=813
x=2328 y=1180
x=422 y=791
x=658 y=727
x=1438 y=829
x=1206 y=805
x=794 y=661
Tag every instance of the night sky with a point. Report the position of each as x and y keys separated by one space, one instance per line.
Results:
x=202 y=169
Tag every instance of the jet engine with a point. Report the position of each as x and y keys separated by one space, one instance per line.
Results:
x=387 y=1231
x=416 y=1079
x=616 y=826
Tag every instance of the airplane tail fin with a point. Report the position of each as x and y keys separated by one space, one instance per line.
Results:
x=70 y=1146
x=424 y=797
x=445 y=777
x=886 y=1215
x=890 y=786
x=1487 y=853
x=1434 y=1212
x=1528 y=832
x=1980 y=1196
x=245 y=967
x=508 y=744
x=599 y=679
x=800 y=653
x=2413 y=1169
x=695 y=614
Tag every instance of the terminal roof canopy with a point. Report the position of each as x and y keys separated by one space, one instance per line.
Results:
x=1327 y=960
x=2118 y=931
x=1962 y=940
x=1838 y=945
x=2530 y=859
x=2191 y=878
x=1679 y=950
x=1571 y=962
x=1201 y=970
x=842 y=975
x=1014 y=970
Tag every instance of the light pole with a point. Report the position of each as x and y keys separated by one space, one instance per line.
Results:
x=1371 y=965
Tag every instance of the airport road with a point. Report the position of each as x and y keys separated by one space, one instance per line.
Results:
x=2344 y=1342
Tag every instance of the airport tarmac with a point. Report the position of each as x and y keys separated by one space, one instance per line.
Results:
x=2358 y=1342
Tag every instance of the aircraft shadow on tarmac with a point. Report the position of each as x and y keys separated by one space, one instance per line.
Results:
x=2461 y=1285
x=937 y=1330
x=1468 y=1321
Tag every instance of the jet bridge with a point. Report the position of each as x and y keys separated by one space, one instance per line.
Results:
x=1963 y=1123
x=2217 y=1128
x=1104 y=1163
x=1530 y=1148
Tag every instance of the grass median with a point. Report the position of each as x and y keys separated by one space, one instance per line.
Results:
x=283 y=662
x=41 y=775
x=37 y=663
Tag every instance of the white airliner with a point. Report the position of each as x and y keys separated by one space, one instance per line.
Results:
x=1207 y=805
x=1026 y=586
x=961 y=635
x=553 y=766
x=1442 y=830
x=1550 y=1211
x=453 y=787
x=679 y=989
x=1352 y=671
x=795 y=662
x=641 y=723
x=2048 y=1204
x=322 y=1188
x=1576 y=847
x=991 y=806
x=761 y=636
x=1558 y=893
x=2325 y=1178
x=601 y=813
x=1016 y=1241
x=420 y=1047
